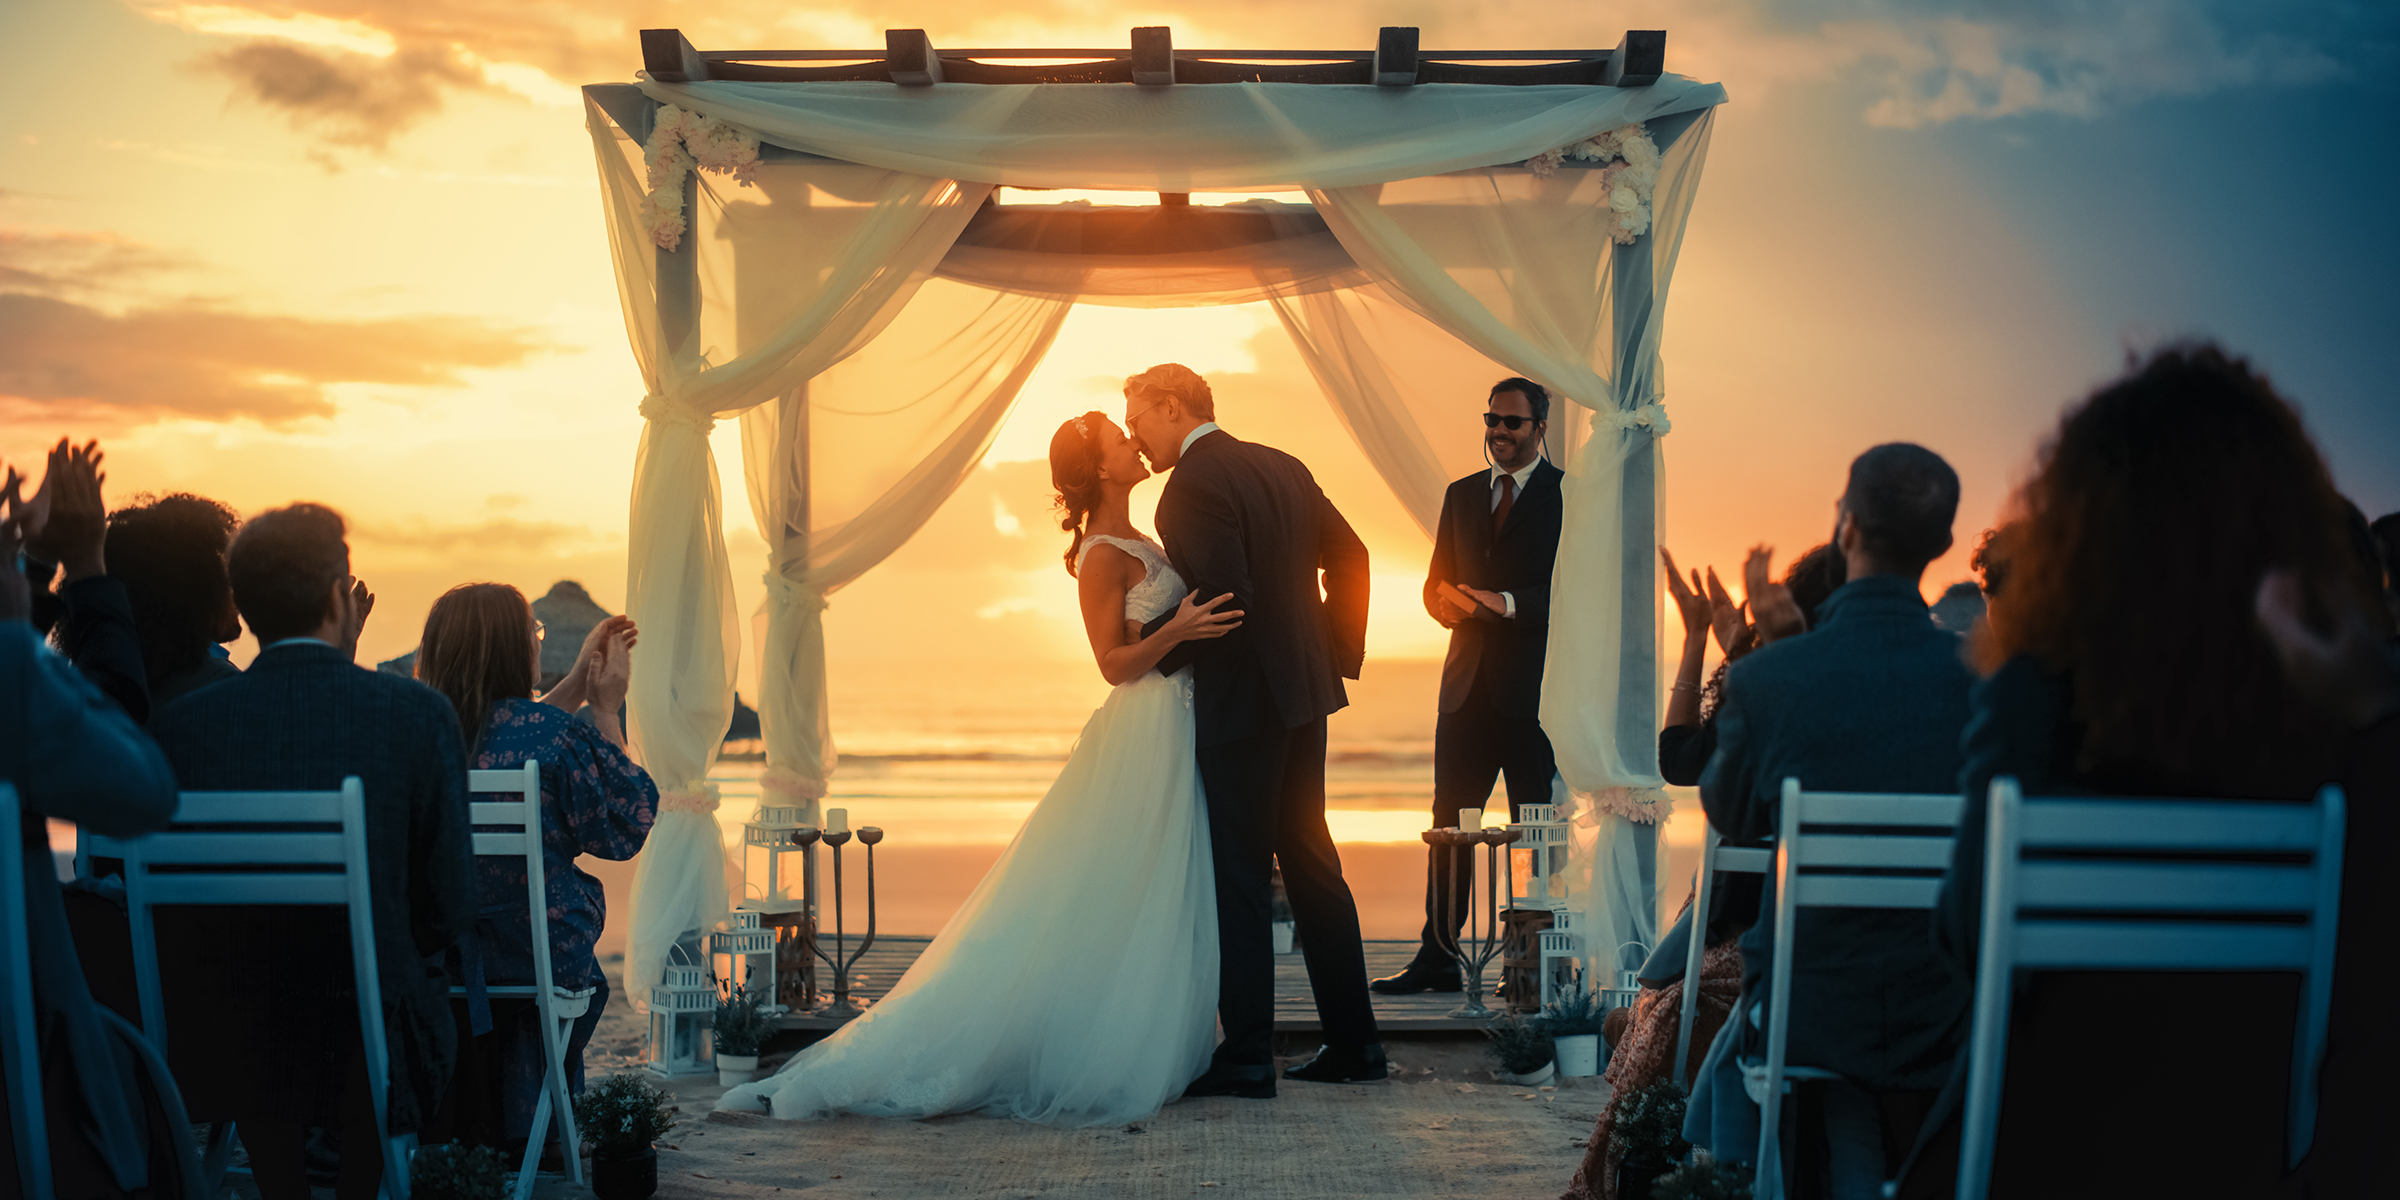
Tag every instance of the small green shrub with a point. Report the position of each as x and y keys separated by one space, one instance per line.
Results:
x=454 y=1172
x=1522 y=1045
x=742 y=1024
x=624 y=1114
x=1706 y=1178
x=1650 y=1124
x=1576 y=1011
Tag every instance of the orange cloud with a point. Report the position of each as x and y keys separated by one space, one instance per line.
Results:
x=348 y=99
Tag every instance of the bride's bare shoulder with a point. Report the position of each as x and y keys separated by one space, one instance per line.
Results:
x=1106 y=563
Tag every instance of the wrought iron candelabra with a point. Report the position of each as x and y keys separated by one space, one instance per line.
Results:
x=842 y=1007
x=1487 y=945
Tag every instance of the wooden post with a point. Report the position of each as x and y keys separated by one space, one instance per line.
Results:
x=669 y=58
x=909 y=54
x=1640 y=59
x=1153 y=55
x=1396 y=56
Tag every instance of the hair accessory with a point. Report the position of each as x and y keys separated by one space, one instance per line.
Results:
x=1081 y=429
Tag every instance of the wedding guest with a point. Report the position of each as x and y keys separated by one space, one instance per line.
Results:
x=1489 y=585
x=71 y=753
x=65 y=527
x=304 y=717
x=2188 y=477
x=1871 y=701
x=482 y=648
x=169 y=553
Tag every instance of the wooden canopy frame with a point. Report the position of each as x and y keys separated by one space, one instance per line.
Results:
x=908 y=59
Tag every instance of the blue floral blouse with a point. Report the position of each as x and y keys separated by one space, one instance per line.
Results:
x=595 y=801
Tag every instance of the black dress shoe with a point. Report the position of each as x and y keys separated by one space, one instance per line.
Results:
x=1419 y=977
x=1345 y=1064
x=1250 y=1082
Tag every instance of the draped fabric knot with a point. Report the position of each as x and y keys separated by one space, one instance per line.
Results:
x=790 y=594
x=700 y=797
x=1650 y=806
x=783 y=783
x=1651 y=416
x=658 y=409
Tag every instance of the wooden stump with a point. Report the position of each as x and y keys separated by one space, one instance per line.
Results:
x=1521 y=956
x=795 y=959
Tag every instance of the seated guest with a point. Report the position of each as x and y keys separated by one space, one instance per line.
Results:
x=302 y=718
x=482 y=648
x=169 y=553
x=2134 y=665
x=1871 y=701
x=71 y=753
x=65 y=525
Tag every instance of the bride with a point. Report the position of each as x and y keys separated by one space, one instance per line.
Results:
x=1078 y=984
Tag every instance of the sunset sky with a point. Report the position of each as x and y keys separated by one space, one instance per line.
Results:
x=351 y=251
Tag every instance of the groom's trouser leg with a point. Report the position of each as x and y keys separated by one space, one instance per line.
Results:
x=1322 y=907
x=1241 y=778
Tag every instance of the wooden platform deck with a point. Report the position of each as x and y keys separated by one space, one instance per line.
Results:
x=1295 y=1003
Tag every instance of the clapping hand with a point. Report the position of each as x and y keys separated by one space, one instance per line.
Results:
x=1691 y=602
x=362 y=602
x=1771 y=604
x=612 y=668
x=16 y=596
x=66 y=522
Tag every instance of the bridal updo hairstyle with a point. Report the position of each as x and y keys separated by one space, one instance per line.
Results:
x=1075 y=472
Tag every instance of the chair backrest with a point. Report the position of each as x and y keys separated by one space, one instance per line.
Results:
x=1715 y=856
x=22 y=1048
x=516 y=832
x=2137 y=884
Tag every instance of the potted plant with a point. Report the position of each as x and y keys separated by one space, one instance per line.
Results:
x=1574 y=1020
x=742 y=1026
x=455 y=1172
x=1648 y=1138
x=1523 y=1047
x=620 y=1120
x=1706 y=1177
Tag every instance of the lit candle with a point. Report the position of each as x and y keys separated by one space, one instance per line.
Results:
x=837 y=820
x=1470 y=819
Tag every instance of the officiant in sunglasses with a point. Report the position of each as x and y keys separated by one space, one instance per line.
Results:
x=1490 y=587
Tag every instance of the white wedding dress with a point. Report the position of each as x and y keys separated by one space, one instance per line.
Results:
x=1078 y=984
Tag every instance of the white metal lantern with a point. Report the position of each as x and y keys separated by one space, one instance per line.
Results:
x=1561 y=947
x=1538 y=860
x=683 y=1011
x=748 y=951
x=768 y=882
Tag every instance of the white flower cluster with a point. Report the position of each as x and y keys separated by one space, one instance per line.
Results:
x=681 y=140
x=1651 y=416
x=1627 y=180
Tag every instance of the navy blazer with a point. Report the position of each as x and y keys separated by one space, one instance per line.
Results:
x=301 y=719
x=1237 y=517
x=1873 y=700
x=1506 y=651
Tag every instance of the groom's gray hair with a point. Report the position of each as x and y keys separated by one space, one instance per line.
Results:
x=1177 y=382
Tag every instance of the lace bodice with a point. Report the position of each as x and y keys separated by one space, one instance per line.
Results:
x=1160 y=589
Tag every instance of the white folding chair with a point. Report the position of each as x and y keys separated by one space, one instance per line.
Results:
x=23 y=1048
x=1714 y=857
x=2151 y=885
x=1828 y=844
x=557 y=1007
x=238 y=848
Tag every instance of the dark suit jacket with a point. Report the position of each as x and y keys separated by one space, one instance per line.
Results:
x=302 y=718
x=1871 y=701
x=1249 y=520
x=1507 y=651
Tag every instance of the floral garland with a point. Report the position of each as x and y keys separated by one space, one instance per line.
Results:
x=681 y=140
x=1650 y=806
x=1628 y=179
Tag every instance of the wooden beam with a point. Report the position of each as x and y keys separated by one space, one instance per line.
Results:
x=1153 y=55
x=1396 y=56
x=669 y=58
x=908 y=53
x=1640 y=59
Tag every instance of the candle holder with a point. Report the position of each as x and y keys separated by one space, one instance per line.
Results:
x=1487 y=945
x=842 y=1007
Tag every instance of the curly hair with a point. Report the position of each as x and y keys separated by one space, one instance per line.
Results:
x=169 y=552
x=2152 y=514
x=1075 y=472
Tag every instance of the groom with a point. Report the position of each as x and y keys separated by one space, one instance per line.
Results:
x=1242 y=518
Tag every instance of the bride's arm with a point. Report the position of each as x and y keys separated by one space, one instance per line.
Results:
x=1108 y=573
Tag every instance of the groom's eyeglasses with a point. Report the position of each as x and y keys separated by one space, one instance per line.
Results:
x=1495 y=420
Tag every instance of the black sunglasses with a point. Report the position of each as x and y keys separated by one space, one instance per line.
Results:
x=1495 y=420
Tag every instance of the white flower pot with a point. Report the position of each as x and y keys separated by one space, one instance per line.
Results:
x=736 y=1069
x=1531 y=1079
x=1578 y=1054
x=1283 y=937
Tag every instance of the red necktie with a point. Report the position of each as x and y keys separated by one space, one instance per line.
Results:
x=1508 y=500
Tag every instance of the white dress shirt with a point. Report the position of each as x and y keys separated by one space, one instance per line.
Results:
x=1206 y=428
x=1522 y=476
